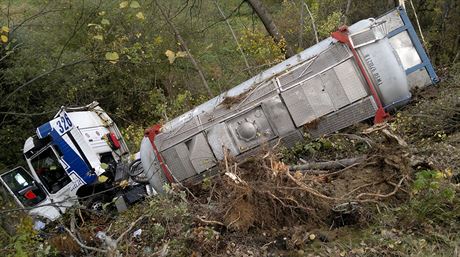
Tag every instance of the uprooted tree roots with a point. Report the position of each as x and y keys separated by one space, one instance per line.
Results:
x=262 y=193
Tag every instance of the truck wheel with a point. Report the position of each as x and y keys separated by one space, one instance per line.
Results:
x=136 y=172
x=95 y=204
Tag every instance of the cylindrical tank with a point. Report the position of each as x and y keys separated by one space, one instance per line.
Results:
x=151 y=166
x=326 y=87
x=386 y=72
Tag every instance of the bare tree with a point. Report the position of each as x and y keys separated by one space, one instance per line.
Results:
x=301 y=25
x=234 y=37
x=313 y=24
x=185 y=48
x=418 y=25
x=347 y=10
x=269 y=24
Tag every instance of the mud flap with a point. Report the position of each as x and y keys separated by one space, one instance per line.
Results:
x=130 y=196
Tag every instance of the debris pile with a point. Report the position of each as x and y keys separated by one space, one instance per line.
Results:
x=264 y=192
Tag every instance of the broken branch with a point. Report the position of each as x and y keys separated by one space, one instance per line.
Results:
x=329 y=165
x=130 y=227
x=210 y=222
x=83 y=245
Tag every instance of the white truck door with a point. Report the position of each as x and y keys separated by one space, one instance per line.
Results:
x=28 y=193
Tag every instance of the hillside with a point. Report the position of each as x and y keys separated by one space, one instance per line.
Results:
x=390 y=189
x=401 y=199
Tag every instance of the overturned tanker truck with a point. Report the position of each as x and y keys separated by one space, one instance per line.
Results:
x=360 y=72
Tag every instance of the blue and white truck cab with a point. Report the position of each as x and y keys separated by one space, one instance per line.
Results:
x=79 y=154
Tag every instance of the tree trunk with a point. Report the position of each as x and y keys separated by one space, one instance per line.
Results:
x=269 y=24
x=401 y=3
x=301 y=25
x=313 y=24
x=347 y=10
x=418 y=26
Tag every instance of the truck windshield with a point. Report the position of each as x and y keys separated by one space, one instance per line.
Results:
x=23 y=187
x=50 y=171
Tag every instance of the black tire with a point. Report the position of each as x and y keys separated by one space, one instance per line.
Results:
x=136 y=171
x=95 y=204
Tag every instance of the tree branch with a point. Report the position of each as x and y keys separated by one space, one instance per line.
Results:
x=41 y=12
x=224 y=18
x=8 y=53
x=418 y=25
x=347 y=10
x=386 y=195
x=185 y=47
x=234 y=37
x=129 y=228
x=313 y=24
x=302 y=20
x=77 y=27
x=83 y=245
x=26 y=114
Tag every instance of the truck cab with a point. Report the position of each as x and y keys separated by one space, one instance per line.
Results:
x=76 y=155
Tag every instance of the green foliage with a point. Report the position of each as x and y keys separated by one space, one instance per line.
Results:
x=172 y=217
x=25 y=238
x=261 y=47
x=133 y=136
x=308 y=149
x=206 y=184
x=436 y=199
x=426 y=225
x=26 y=242
x=331 y=24
x=168 y=221
x=157 y=232
x=427 y=180
x=169 y=208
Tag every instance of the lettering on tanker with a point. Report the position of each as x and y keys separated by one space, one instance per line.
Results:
x=373 y=69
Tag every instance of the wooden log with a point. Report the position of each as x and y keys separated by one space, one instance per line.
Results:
x=329 y=165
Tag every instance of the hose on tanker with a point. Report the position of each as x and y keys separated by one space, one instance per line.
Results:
x=136 y=172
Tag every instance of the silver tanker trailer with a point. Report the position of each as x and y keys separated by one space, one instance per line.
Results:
x=360 y=72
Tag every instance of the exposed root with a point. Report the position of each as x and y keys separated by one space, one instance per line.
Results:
x=263 y=192
x=386 y=195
